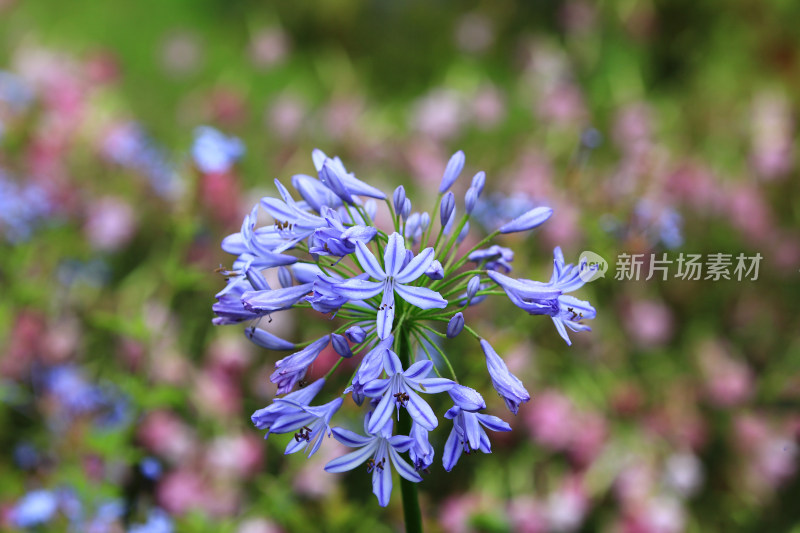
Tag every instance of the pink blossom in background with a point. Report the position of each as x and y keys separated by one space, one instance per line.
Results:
x=563 y=105
x=634 y=483
x=772 y=135
x=438 y=115
x=488 y=107
x=566 y=508
x=748 y=211
x=632 y=127
x=426 y=162
x=728 y=382
x=269 y=47
x=550 y=419
x=217 y=394
x=61 y=340
x=527 y=515
x=308 y=482
x=648 y=322
x=165 y=434
x=235 y=456
x=183 y=490
x=286 y=116
x=456 y=512
x=110 y=223
x=657 y=515
x=221 y=195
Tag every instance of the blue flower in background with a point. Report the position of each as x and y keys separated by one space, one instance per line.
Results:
x=213 y=151
x=35 y=508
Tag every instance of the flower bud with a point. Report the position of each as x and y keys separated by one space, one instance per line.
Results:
x=356 y=334
x=470 y=199
x=267 y=340
x=533 y=218
x=455 y=325
x=451 y=172
x=340 y=345
x=435 y=271
x=406 y=208
x=473 y=286
x=466 y=398
x=478 y=181
x=399 y=198
x=446 y=208
x=424 y=221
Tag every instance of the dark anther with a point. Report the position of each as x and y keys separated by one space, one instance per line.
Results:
x=401 y=398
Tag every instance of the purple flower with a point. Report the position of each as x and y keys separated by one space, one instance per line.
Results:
x=375 y=450
x=399 y=199
x=507 y=385
x=293 y=368
x=467 y=434
x=392 y=277
x=496 y=257
x=548 y=299
x=370 y=369
x=311 y=423
x=340 y=345
x=421 y=451
x=292 y=222
x=398 y=390
x=281 y=413
x=336 y=239
x=348 y=179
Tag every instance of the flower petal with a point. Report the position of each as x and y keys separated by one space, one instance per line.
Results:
x=420 y=411
x=452 y=450
x=385 y=317
x=434 y=385
x=358 y=289
x=394 y=255
x=352 y=459
x=416 y=267
x=368 y=262
x=418 y=370
x=382 y=484
x=421 y=297
x=350 y=438
x=382 y=414
x=402 y=467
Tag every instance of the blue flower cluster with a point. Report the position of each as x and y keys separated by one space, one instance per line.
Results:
x=387 y=288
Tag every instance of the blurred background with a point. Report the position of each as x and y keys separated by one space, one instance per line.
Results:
x=651 y=126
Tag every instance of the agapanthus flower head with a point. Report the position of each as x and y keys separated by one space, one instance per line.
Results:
x=386 y=294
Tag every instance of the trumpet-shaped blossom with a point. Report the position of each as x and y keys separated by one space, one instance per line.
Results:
x=507 y=385
x=291 y=369
x=378 y=450
x=310 y=423
x=468 y=434
x=539 y=298
x=394 y=276
x=400 y=390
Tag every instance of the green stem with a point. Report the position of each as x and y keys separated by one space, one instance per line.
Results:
x=411 y=511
